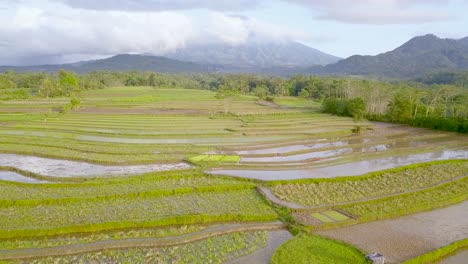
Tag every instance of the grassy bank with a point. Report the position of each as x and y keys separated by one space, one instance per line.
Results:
x=304 y=249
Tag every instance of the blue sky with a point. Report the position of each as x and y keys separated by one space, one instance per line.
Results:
x=56 y=31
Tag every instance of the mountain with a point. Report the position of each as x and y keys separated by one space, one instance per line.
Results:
x=254 y=54
x=417 y=57
x=122 y=62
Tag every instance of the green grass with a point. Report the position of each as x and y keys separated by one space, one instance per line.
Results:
x=336 y=215
x=123 y=212
x=214 y=250
x=305 y=249
x=322 y=192
x=322 y=218
x=440 y=253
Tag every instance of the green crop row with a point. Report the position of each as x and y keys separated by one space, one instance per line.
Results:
x=218 y=249
x=147 y=185
x=117 y=213
x=75 y=239
x=427 y=199
x=323 y=192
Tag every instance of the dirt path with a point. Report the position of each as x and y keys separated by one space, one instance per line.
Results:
x=409 y=236
x=137 y=242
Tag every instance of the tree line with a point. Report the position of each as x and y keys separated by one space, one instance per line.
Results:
x=441 y=103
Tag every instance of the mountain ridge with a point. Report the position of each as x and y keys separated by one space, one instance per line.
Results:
x=254 y=54
x=419 y=56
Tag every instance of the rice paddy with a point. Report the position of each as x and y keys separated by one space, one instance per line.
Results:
x=141 y=174
x=316 y=193
x=409 y=236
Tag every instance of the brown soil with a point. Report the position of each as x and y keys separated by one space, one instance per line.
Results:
x=409 y=236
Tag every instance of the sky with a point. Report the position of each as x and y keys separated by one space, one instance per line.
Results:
x=61 y=31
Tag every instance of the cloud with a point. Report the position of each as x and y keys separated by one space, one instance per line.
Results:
x=163 y=5
x=378 y=12
x=51 y=32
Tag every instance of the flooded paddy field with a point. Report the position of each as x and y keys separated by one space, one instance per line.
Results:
x=381 y=148
x=346 y=169
x=16 y=177
x=409 y=236
x=66 y=168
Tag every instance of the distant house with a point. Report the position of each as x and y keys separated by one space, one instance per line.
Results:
x=376 y=258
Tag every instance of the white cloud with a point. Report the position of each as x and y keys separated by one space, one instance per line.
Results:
x=54 y=32
x=378 y=11
x=162 y=5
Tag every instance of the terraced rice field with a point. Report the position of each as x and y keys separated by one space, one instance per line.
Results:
x=139 y=174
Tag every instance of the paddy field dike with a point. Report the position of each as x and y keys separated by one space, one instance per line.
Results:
x=155 y=175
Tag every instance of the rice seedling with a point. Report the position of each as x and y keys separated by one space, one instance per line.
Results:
x=217 y=249
x=323 y=192
x=122 y=212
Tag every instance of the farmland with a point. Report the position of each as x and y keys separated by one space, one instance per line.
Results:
x=172 y=175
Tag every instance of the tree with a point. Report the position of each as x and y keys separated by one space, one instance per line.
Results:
x=261 y=91
x=6 y=81
x=357 y=108
x=401 y=107
x=68 y=82
x=152 y=80
x=48 y=88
